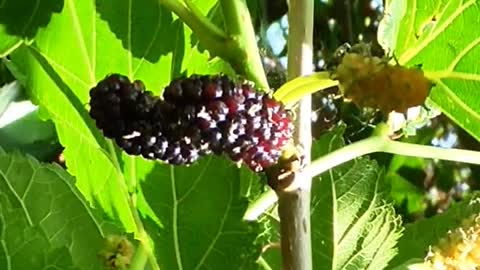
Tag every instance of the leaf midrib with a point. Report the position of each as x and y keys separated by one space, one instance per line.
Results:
x=82 y=44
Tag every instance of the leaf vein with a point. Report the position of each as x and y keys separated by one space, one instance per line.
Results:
x=459 y=102
x=219 y=232
x=196 y=181
x=176 y=243
x=152 y=41
x=81 y=39
x=129 y=38
x=15 y=194
x=409 y=54
x=459 y=56
x=62 y=68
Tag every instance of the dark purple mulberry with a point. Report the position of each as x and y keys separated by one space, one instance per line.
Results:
x=139 y=122
x=197 y=116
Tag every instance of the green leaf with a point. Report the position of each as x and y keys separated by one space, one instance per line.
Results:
x=8 y=43
x=419 y=236
x=353 y=227
x=271 y=257
x=201 y=209
x=21 y=19
x=292 y=91
x=442 y=37
x=80 y=46
x=44 y=220
x=404 y=192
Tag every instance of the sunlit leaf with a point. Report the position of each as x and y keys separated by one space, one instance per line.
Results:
x=353 y=225
x=443 y=38
x=80 y=46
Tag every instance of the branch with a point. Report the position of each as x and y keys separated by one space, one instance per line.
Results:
x=294 y=200
x=367 y=146
x=385 y=145
x=209 y=33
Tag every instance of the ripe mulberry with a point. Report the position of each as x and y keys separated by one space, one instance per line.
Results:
x=369 y=81
x=197 y=116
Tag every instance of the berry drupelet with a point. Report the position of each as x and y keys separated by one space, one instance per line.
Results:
x=197 y=116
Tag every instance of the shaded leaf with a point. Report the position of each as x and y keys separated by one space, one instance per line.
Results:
x=44 y=220
x=405 y=193
x=201 y=209
x=21 y=19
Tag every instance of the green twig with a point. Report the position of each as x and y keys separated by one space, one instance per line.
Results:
x=260 y=206
x=237 y=45
x=296 y=89
x=201 y=25
x=385 y=145
x=239 y=27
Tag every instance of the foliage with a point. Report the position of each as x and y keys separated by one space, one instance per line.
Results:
x=193 y=217
x=45 y=220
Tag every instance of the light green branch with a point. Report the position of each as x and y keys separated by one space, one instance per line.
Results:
x=139 y=259
x=239 y=27
x=385 y=145
x=209 y=33
x=364 y=147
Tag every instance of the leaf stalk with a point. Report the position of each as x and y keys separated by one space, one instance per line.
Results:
x=237 y=44
x=363 y=147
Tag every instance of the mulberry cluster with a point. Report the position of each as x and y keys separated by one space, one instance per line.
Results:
x=197 y=116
